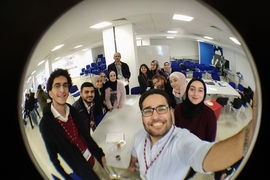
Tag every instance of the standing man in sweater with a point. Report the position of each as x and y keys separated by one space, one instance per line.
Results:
x=121 y=69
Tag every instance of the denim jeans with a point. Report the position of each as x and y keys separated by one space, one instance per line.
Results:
x=34 y=116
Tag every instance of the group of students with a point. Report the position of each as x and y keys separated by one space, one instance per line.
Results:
x=66 y=128
x=187 y=101
x=163 y=149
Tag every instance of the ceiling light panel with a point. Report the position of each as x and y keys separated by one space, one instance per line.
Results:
x=182 y=17
x=101 y=25
x=58 y=47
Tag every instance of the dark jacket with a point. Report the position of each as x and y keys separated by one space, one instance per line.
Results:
x=144 y=83
x=169 y=89
x=56 y=143
x=99 y=101
x=85 y=116
x=125 y=69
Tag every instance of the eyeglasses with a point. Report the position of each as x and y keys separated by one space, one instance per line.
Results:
x=58 y=85
x=163 y=109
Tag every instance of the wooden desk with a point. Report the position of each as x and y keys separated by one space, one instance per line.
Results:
x=126 y=120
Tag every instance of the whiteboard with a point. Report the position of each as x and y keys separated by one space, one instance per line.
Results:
x=148 y=53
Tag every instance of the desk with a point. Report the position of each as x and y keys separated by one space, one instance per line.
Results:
x=126 y=120
x=219 y=87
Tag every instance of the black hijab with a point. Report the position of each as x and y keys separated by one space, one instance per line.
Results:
x=190 y=110
x=109 y=83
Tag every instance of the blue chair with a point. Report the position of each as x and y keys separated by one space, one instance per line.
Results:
x=88 y=66
x=216 y=77
x=74 y=91
x=135 y=90
x=240 y=87
x=232 y=84
x=197 y=74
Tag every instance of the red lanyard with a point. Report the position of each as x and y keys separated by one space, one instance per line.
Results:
x=160 y=151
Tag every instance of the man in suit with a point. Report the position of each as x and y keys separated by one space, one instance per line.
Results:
x=121 y=69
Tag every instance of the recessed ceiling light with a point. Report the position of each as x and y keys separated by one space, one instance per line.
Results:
x=57 y=58
x=58 y=47
x=33 y=72
x=174 y=32
x=235 y=40
x=101 y=25
x=78 y=46
x=41 y=62
x=207 y=37
x=170 y=37
x=182 y=17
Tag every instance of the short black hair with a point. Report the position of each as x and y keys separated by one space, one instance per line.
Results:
x=56 y=73
x=151 y=92
x=86 y=84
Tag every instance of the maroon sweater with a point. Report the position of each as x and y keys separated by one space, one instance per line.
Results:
x=204 y=125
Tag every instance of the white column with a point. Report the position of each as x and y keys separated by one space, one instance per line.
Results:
x=122 y=39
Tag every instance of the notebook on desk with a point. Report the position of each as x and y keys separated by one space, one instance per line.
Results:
x=210 y=83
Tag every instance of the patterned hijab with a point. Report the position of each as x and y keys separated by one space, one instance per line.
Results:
x=190 y=110
x=109 y=83
x=183 y=83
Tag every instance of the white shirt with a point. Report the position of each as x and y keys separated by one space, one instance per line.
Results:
x=56 y=114
x=182 y=150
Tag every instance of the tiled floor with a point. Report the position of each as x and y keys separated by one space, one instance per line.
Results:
x=228 y=124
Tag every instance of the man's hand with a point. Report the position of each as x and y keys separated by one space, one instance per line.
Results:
x=92 y=123
x=103 y=160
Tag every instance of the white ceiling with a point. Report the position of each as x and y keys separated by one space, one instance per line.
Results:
x=151 y=18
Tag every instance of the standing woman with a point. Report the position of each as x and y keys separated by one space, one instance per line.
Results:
x=99 y=99
x=144 y=78
x=42 y=97
x=155 y=69
x=194 y=115
x=178 y=82
x=115 y=93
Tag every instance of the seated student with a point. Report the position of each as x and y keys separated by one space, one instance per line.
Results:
x=178 y=82
x=86 y=105
x=167 y=69
x=160 y=82
x=145 y=78
x=103 y=77
x=155 y=69
x=115 y=93
x=100 y=106
x=194 y=115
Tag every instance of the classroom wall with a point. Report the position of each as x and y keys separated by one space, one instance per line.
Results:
x=178 y=49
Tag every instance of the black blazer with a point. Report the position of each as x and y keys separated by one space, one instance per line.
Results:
x=125 y=69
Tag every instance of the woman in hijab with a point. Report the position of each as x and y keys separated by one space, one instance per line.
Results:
x=178 y=82
x=167 y=69
x=194 y=115
x=99 y=99
x=155 y=69
x=115 y=92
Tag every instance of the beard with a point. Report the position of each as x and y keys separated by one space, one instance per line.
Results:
x=155 y=131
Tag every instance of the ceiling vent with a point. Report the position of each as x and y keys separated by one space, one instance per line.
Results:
x=215 y=27
x=120 y=19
